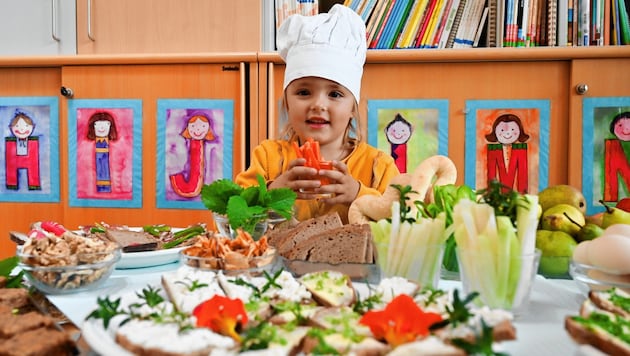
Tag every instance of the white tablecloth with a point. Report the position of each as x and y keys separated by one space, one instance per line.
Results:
x=540 y=330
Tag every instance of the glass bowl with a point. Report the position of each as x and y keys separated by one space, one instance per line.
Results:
x=223 y=226
x=234 y=263
x=81 y=272
x=589 y=277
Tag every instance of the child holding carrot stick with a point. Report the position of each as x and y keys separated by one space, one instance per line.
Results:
x=324 y=56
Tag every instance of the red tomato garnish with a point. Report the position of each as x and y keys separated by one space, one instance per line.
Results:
x=222 y=315
x=400 y=322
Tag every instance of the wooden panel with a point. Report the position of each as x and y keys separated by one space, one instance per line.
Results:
x=461 y=81
x=168 y=26
x=604 y=78
x=149 y=83
x=19 y=216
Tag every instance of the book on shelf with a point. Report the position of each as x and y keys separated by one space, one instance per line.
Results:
x=441 y=25
x=624 y=23
x=470 y=22
x=390 y=24
x=399 y=23
x=378 y=30
x=482 y=22
x=404 y=40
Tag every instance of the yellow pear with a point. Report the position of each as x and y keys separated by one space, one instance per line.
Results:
x=563 y=217
x=561 y=194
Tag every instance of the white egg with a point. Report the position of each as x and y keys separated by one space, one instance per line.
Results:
x=580 y=253
x=618 y=229
x=611 y=253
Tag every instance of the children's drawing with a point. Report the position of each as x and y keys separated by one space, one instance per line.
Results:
x=398 y=132
x=507 y=140
x=30 y=149
x=506 y=157
x=105 y=153
x=194 y=148
x=606 y=151
x=102 y=130
x=409 y=130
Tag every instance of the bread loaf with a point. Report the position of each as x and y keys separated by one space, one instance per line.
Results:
x=285 y=241
x=344 y=244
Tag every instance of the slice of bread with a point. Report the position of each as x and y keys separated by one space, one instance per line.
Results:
x=287 y=240
x=186 y=287
x=344 y=244
x=604 y=300
x=595 y=336
x=330 y=288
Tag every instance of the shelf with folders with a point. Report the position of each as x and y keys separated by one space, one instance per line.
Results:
x=399 y=24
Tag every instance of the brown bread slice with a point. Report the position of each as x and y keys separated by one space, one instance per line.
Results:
x=345 y=244
x=304 y=230
x=132 y=241
x=11 y=325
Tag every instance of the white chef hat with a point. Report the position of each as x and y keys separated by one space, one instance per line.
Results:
x=328 y=45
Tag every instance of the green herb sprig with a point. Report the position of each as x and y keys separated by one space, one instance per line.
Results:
x=245 y=207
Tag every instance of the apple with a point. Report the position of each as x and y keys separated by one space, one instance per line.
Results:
x=623 y=204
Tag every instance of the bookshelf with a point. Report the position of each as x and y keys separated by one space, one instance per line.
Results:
x=440 y=24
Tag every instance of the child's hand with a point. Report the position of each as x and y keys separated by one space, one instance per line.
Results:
x=299 y=178
x=343 y=188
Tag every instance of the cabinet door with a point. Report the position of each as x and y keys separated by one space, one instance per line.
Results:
x=37 y=27
x=18 y=216
x=168 y=26
x=599 y=90
x=150 y=84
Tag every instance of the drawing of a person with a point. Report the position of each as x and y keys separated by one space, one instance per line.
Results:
x=198 y=131
x=615 y=159
x=398 y=133
x=102 y=130
x=22 y=152
x=507 y=152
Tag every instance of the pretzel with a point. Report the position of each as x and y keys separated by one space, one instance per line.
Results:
x=435 y=170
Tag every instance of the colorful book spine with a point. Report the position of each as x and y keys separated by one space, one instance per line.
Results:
x=379 y=30
x=441 y=24
x=401 y=21
x=391 y=23
x=448 y=27
x=457 y=22
x=430 y=32
x=584 y=7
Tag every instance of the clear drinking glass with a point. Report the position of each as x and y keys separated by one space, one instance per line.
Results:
x=502 y=283
x=420 y=266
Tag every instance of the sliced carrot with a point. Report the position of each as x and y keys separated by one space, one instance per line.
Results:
x=297 y=149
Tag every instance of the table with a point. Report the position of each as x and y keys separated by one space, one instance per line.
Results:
x=540 y=330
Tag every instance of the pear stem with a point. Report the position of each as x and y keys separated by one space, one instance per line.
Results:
x=573 y=221
x=608 y=209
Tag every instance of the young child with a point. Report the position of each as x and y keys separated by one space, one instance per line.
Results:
x=324 y=56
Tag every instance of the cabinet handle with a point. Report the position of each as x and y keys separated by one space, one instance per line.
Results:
x=581 y=88
x=55 y=35
x=89 y=20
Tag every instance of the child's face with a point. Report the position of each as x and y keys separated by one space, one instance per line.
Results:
x=507 y=132
x=622 y=129
x=22 y=129
x=319 y=108
x=101 y=128
x=198 y=128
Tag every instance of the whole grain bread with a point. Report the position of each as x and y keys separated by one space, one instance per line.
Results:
x=344 y=244
x=285 y=241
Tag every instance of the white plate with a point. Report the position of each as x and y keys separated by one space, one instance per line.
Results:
x=148 y=258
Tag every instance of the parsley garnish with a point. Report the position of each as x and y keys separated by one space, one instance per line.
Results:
x=193 y=285
x=107 y=309
x=482 y=344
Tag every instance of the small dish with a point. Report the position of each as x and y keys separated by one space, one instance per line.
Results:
x=589 y=277
x=81 y=272
x=233 y=263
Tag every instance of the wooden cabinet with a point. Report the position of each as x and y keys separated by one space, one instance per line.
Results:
x=599 y=89
x=168 y=26
x=37 y=27
x=148 y=79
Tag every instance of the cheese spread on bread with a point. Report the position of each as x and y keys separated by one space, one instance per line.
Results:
x=331 y=288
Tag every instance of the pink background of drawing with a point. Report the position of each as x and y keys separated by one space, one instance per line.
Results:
x=120 y=156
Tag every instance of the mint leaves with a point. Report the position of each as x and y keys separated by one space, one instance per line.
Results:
x=245 y=207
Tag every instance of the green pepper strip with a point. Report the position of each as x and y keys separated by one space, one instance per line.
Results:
x=183 y=235
x=156 y=230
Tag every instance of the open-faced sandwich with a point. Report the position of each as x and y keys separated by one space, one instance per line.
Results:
x=603 y=322
x=206 y=312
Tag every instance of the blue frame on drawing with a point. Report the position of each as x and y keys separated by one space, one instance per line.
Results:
x=480 y=117
x=124 y=154
x=44 y=112
x=597 y=115
x=175 y=176
x=429 y=128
